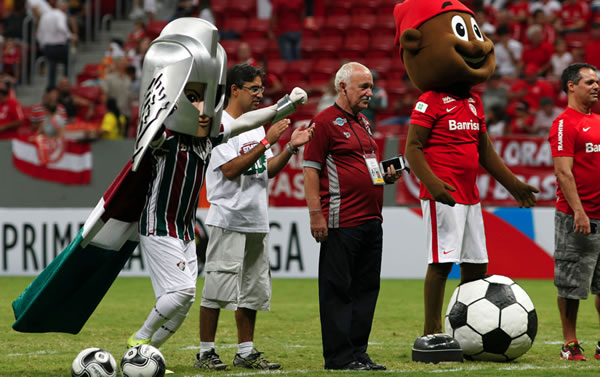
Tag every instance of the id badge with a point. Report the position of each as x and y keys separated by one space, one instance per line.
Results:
x=374 y=170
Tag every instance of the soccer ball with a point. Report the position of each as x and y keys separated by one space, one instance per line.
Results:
x=143 y=360
x=492 y=319
x=94 y=362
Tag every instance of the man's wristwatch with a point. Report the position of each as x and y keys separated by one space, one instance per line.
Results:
x=265 y=142
x=290 y=149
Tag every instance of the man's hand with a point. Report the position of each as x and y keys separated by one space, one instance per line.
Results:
x=318 y=226
x=581 y=223
x=392 y=175
x=523 y=194
x=302 y=135
x=276 y=130
x=298 y=95
x=439 y=190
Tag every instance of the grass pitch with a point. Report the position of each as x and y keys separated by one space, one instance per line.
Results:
x=289 y=334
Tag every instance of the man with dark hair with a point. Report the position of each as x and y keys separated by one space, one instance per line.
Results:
x=575 y=141
x=238 y=273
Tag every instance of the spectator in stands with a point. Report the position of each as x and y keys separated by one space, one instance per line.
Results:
x=545 y=21
x=522 y=121
x=11 y=113
x=118 y=85
x=13 y=21
x=53 y=36
x=592 y=47
x=77 y=17
x=36 y=8
x=185 y=8
x=205 y=12
x=329 y=95
x=139 y=31
x=549 y=7
x=561 y=58
x=149 y=9
x=72 y=102
x=544 y=117
x=114 y=123
x=487 y=27
x=378 y=102
x=49 y=117
x=135 y=81
x=495 y=93
x=11 y=58
x=538 y=52
x=572 y=17
x=137 y=57
x=287 y=18
x=530 y=89
x=508 y=53
x=244 y=55
x=496 y=121
x=519 y=11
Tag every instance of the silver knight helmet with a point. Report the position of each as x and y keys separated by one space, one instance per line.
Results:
x=185 y=54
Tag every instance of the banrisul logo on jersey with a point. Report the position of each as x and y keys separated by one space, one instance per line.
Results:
x=591 y=147
x=457 y=126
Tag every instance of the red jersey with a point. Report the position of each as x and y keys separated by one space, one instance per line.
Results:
x=288 y=14
x=577 y=135
x=569 y=14
x=10 y=110
x=38 y=113
x=537 y=55
x=592 y=52
x=452 y=150
x=348 y=196
x=535 y=92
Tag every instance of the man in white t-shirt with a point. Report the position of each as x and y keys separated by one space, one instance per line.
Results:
x=237 y=264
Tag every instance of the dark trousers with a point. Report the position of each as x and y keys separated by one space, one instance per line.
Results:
x=349 y=274
x=56 y=54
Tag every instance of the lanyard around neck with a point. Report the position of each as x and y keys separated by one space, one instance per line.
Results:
x=357 y=120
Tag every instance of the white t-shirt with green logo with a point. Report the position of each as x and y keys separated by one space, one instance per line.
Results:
x=240 y=204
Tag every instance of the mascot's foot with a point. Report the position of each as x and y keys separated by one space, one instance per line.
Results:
x=436 y=348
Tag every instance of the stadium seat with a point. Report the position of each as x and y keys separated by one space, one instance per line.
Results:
x=256 y=28
x=91 y=93
x=241 y=8
x=335 y=25
x=236 y=24
x=386 y=7
x=154 y=28
x=277 y=67
x=362 y=22
x=397 y=70
x=381 y=65
x=576 y=40
x=385 y=24
x=382 y=46
x=323 y=69
x=258 y=46
x=298 y=70
x=309 y=46
x=328 y=47
x=230 y=46
x=354 y=47
x=339 y=8
x=272 y=51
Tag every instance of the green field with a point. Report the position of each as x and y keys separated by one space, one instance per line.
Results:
x=289 y=334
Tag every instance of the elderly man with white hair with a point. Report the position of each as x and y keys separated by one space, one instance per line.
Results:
x=344 y=194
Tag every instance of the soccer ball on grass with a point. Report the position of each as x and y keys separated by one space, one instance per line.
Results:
x=94 y=362
x=143 y=361
x=492 y=319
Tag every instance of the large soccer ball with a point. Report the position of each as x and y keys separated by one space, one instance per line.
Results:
x=143 y=361
x=492 y=319
x=94 y=362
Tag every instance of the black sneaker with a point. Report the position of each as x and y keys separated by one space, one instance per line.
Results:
x=353 y=365
x=209 y=360
x=254 y=361
x=371 y=364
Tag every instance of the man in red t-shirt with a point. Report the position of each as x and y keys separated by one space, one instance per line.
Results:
x=530 y=89
x=573 y=16
x=344 y=195
x=287 y=17
x=11 y=113
x=592 y=47
x=575 y=142
x=537 y=52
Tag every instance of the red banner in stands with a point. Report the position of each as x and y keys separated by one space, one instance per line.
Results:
x=529 y=158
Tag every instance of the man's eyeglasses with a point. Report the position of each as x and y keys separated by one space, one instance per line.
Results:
x=254 y=90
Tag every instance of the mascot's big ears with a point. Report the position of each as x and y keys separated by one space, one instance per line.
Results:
x=410 y=40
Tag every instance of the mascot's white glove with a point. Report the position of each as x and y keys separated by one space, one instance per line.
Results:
x=298 y=95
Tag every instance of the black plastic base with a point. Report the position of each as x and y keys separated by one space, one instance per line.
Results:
x=436 y=348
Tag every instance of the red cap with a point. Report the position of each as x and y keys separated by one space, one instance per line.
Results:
x=413 y=13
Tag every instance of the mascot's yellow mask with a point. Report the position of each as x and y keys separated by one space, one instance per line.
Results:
x=442 y=46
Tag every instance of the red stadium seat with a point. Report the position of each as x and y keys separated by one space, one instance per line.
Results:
x=335 y=25
x=258 y=47
x=385 y=23
x=380 y=65
x=256 y=28
x=241 y=8
x=339 y=8
x=397 y=71
x=154 y=28
x=298 y=70
x=386 y=7
x=272 y=51
x=237 y=24
x=277 y=67
x=382 y=45
x=91 y=93
x=576 y=40
x=328 y=47
x=354 y=47
x=323 y=69
x=309 y=46
x=230 y=46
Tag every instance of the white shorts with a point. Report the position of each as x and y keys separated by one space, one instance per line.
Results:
x=238 y=272
x=172 y=263
x=454 y=234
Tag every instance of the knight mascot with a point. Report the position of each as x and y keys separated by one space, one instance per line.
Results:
x=182 y=97
x=445 y=54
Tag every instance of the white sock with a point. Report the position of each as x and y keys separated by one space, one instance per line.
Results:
x=245 y=348
x=206 y=347
x=164 y=309
x=167 y=330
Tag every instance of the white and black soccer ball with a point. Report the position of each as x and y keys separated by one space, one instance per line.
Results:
x=492 y=319
x=143 y=361
x=94 y=362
